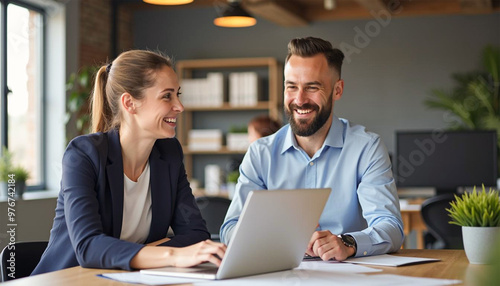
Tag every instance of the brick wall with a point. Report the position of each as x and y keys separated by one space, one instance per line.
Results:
x=125 y=28
x=95 y=41
x=96 y=29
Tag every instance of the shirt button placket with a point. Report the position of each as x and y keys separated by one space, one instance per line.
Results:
x=311 y=175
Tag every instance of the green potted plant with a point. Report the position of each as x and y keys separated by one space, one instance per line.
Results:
x=237 y=138
x=478 y=213
x=9 y=172
x=475 y=101
x=79 y=86
x=231 y=180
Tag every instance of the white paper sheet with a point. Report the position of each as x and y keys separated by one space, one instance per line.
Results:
x=336 y=266
x=301 y=277
x=137 y=277
x=388 y=260
x=400 y=280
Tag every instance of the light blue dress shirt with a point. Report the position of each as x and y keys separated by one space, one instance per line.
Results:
x=352 y=162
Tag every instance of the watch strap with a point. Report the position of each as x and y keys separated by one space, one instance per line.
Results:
x=349 y=241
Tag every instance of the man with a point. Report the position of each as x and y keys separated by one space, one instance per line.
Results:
x=319 y=150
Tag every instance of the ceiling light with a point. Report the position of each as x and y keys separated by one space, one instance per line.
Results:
x=330 y=4
x=168 y=2
x=234 y=16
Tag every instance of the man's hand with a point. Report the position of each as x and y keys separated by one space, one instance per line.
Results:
x=328 y=246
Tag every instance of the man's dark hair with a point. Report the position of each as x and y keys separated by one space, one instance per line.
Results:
x=310 y=46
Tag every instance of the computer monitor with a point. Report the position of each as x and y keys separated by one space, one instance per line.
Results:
x=446 y=160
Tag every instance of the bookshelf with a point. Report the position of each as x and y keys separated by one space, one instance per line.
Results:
x=271 y=103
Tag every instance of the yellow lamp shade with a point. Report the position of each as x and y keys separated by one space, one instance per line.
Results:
x=168 y=2
x=234 y=16
x=235 y=21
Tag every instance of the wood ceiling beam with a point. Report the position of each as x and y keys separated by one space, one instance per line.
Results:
x=352 y=10
x=472 y=6
x=345 y=10
x=283 y=13
x=372 y=5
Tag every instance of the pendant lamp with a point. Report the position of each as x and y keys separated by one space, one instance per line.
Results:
x=168 y=2
x=234 y=16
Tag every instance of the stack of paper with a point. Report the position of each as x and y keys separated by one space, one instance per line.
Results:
x=205 y=139
x=389 y=260
x=237 y=141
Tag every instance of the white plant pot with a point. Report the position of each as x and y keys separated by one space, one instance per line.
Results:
x=479 y=242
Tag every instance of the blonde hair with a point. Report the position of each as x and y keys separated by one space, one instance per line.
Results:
x=131 y=72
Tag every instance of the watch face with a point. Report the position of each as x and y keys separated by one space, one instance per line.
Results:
x=349 y=240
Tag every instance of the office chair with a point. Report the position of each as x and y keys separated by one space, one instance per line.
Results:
x=213 y=210
x=27 y=255
x=437 y=220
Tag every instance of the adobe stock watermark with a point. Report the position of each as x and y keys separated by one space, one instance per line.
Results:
x=426 y=147
x=372 y=29
x=295 y=277
x=11 y=226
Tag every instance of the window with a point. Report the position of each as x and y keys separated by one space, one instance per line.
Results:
x=22 y=86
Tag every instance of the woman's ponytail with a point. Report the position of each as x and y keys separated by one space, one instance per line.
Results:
x=101 y=112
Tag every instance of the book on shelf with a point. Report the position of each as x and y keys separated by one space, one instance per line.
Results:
x=244 y=88
x=205 y=139
x=213 y=179
x=209 y=91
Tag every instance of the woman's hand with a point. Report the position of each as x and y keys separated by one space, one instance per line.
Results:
x=160 y=256
x=205 y=251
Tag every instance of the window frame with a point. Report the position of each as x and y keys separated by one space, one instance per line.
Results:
x=4 y=139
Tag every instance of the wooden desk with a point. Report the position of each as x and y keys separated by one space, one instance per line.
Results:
x=412 y=220
x=453 y=265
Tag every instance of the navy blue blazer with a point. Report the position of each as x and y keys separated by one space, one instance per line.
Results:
x=89 y=212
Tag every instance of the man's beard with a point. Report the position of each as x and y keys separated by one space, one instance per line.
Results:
x=300 y=127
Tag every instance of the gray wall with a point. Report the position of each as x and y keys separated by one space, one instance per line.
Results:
x=34 y=220
x=385 y=83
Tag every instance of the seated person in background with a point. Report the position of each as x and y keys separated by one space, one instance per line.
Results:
x=319 y=150
x=123 y=186
x=262 y=126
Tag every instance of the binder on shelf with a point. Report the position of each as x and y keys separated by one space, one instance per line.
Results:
x=244 y=88
x=215 y=89
x=233 y=89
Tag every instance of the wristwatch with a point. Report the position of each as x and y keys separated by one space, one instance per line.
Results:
x=348 y=241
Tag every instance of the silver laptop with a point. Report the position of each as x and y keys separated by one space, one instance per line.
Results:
x=271 y=235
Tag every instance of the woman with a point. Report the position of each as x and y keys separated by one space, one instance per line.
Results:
x=125 y=184
x=262 y=126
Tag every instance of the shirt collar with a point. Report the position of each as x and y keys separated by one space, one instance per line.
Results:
x=335 y=137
